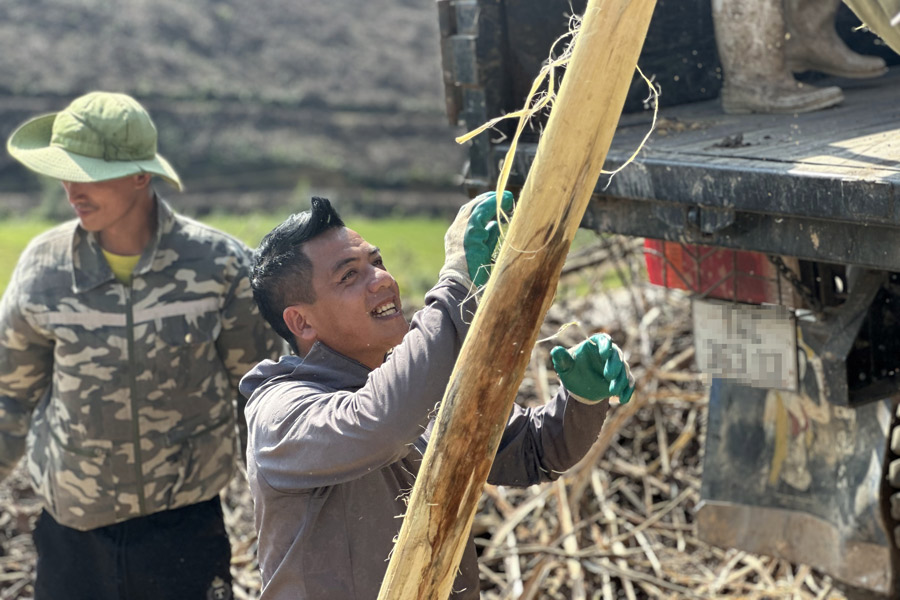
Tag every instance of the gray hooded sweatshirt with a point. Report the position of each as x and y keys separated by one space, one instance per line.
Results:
x=334 y=448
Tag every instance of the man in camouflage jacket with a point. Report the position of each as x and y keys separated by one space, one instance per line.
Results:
x=123 y=336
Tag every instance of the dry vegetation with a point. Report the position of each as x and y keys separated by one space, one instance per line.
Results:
x=618 y=525
x=380 y=53
x=330 y=98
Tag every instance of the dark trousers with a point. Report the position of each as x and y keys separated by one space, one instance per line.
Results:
x=181 y=554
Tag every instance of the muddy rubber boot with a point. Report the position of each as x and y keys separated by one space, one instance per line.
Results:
x=750 y=36
x=813 y=43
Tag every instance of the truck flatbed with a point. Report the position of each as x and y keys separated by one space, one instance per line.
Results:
x=820 y=186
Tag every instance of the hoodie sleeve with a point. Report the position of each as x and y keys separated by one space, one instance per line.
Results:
x=540 y=443
x=304 y=435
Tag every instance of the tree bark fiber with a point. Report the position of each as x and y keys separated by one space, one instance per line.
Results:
x=495 y=354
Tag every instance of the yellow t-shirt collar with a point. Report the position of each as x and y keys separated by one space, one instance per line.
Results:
x=122 y=266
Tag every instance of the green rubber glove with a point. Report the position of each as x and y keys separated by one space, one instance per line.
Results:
x=472 y=238
x=594 y=370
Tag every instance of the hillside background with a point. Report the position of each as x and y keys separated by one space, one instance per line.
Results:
x=258 y=104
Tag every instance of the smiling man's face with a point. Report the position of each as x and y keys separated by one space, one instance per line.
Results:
x=357 y=310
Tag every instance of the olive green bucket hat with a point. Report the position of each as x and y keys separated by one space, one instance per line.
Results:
x=99 y=136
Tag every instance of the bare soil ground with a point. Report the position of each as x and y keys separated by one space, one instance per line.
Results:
x=618 y=525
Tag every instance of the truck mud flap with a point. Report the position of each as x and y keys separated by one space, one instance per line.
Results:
x=791 y=476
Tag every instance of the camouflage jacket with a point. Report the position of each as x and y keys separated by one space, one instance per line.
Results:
x=124 y=396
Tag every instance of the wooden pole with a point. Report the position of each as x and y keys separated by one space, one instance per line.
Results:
x=496 y=351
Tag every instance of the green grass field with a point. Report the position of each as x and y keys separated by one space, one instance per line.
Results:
x=413 y=249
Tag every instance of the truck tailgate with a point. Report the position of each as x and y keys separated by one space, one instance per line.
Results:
x=819 y=186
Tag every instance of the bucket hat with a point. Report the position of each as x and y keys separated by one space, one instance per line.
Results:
x=99 y=136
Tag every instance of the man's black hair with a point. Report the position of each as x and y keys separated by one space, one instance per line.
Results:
x=282 y=272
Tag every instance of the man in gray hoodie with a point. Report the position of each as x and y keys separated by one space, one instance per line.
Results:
x=337 y=432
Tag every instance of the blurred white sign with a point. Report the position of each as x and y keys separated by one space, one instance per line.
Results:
x=756 y=345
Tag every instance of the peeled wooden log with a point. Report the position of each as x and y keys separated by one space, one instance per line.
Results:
x=497 y=350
